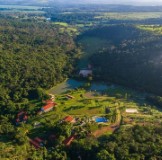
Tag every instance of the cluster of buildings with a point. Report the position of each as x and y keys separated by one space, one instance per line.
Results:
x=49 y=105
x=38 y=142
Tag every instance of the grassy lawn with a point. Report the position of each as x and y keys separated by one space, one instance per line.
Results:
x=79 y=105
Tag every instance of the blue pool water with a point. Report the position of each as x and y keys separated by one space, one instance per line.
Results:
x=101 y=119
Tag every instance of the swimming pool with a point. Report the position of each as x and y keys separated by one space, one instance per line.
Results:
x=101 y=119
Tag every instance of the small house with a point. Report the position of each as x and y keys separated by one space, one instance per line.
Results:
x=69 y=119
x=131 y=110
x=85 y=72
x=36 y=142
x=68 y=141
x=48 y=107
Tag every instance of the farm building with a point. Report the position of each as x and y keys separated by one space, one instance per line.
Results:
x=48 y=107
x=69 y=119
x=131 y=110
x=68 y=141
x=85 y=72
x=36 y=142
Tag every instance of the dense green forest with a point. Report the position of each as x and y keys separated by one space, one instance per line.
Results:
x=33 y=55
x=132 y=143
x=37 y=53
x=132 y=57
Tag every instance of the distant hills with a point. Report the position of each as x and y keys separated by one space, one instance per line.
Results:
x=23 y=2
x=47 y=2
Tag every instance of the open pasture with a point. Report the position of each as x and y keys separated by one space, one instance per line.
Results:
x=129 y=15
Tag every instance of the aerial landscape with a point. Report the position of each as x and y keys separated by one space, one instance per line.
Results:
x=80 y=80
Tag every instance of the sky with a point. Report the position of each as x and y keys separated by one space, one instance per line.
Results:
x=124 y=2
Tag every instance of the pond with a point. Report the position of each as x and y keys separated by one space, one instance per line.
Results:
x=72 y=84
x=65 y=86
x=100 y=86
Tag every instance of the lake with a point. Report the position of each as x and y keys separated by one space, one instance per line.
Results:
x=72 y=84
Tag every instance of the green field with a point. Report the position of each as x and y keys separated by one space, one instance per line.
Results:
x=65 y=27
x=4 y=9
x=61 y=24
x=129 y=15
x=156 y=29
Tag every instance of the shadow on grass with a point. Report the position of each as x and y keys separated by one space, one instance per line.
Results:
x=73 y=108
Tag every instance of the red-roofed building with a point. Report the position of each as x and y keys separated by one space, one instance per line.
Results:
x=68 y=141
x=69 y=119
x=36 y=142
x=37 y=139
x=48 y=107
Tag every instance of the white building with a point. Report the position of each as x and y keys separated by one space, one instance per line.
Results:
x=85 y=72
x=131 y=110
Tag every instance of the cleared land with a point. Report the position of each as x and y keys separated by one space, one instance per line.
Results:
x=110 y=103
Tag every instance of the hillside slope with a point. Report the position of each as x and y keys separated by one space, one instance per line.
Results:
x=33 y=55
x=131 y=57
